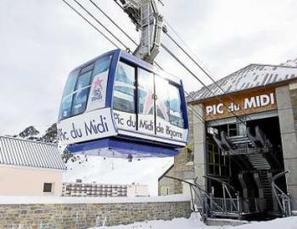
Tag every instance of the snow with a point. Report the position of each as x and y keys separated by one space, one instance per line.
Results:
x=194 y=222
x=251 y=76
x=144 y=171
x=88 y=200
x=181 y=223
x=283 y=223
x=290 y=63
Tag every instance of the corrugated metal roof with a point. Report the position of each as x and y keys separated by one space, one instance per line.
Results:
x=21 y=152
x=252 y=76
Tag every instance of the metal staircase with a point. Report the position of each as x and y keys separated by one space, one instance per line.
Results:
x=244 y=144
x=231 y=205
x=265 y=179
x=259 y=162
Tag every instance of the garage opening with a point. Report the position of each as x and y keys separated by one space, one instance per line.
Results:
x=245 y=167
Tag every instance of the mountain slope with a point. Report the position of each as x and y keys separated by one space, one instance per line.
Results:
x=118 y=171
x=31 y=133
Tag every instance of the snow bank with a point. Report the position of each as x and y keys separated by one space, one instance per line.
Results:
x=283 y=223
x=85 y=200
x=194 y=222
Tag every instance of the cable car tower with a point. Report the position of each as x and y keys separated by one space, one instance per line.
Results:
x=121 y=102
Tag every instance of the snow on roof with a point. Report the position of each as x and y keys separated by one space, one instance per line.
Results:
x=252 y=76
x=19 y=152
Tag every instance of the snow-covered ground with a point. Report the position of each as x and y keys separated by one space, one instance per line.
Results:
x=194 y=223
x=102 y=170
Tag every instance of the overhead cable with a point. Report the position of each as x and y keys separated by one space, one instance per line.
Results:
x=101 y=24
x=162 y=45
x=200 y=81
x=113 y=22
x=196 y=63
x=86 y=20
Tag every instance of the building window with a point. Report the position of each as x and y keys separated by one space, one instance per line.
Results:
x=47 y=187
x=218 y=165
x=165 y=191
x=232 y=130
x=190 y=155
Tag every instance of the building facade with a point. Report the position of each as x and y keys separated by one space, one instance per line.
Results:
x=80 y=189
x=182 y=169
x=244 y=137
x=30 y=168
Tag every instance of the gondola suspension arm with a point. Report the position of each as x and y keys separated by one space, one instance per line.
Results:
x=147 y=19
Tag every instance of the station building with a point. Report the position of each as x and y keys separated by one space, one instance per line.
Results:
x=30 y=168
x=243 y=135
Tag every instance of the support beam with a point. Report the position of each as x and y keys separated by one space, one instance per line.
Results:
x=286 y=97
x=199 y=143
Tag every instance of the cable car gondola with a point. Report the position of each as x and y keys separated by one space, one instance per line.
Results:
x=120 y=102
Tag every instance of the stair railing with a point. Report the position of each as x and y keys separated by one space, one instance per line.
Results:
x=283 y=199
x=200 y=199
x=228 y=204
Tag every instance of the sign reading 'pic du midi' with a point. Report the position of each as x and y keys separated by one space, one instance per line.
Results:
x=240 y=104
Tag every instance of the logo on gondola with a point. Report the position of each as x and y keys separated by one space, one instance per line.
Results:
x=92 y=125
x=97 y=90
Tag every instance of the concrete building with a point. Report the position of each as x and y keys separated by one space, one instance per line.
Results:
x=137 y=190
x=80 y=189
x=30 y=168
x=183 y=169
x=244 y=137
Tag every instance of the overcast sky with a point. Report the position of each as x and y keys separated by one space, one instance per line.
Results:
x=43 y=40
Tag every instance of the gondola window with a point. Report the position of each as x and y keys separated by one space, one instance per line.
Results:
x=124 y=88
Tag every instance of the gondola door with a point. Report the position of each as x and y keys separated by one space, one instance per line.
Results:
x=124 y=97
x=146 y=102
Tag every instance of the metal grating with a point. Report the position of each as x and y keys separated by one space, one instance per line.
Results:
x=19 y=152
x=252 y=76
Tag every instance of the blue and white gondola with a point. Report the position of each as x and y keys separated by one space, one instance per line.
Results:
x=119 y=102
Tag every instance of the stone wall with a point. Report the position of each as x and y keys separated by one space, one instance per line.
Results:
x=85 y=215
x=167 y=186
x=183 y=169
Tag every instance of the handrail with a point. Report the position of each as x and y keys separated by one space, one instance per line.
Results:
x=221 y=181
x=230 y=198
x=210 y=205
x=283 y=199
x=187 y=182
x=275 y=177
